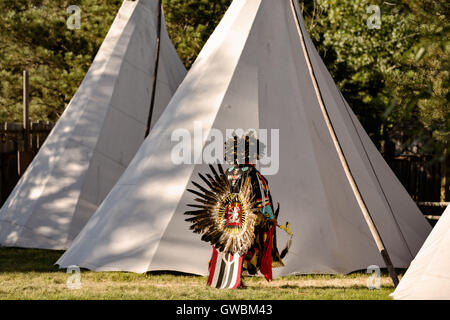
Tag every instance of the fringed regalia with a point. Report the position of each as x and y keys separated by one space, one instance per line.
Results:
x=235 y=213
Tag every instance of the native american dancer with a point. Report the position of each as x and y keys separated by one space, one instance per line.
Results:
x=236 y=215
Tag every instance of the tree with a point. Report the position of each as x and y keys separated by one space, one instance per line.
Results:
x=34 y=36
x=420 y=84
x=395 y=77
x=359 y=55
x=420 y=81
x=191 y=22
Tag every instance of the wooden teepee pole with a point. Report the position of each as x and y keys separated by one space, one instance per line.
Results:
x=345 y=165
x=155 y=71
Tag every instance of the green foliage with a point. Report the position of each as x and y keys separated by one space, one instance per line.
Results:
x=191 y=22
x=420 y=82
x=34 y=37
x=395 y=77
x=358 y=56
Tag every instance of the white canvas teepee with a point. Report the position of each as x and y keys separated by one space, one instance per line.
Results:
x=97 y=136
x=428 y=277
x=259 y=69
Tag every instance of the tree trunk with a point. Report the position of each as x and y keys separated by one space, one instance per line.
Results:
x=444 y=181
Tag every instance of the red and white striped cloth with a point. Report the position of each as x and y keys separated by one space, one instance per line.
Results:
x=225 y=270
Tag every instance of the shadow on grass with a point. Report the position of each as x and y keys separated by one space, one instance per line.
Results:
x=28 y=260
x=14 y=260
x=172 y=273
x=39 y=260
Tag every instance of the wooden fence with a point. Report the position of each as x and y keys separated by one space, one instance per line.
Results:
x=421 y=176
x=18 y=146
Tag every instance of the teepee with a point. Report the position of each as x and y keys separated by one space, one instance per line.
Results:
x=259 y=69
x=428 y=277
x=98 y=134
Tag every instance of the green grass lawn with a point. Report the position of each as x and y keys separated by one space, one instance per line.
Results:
x=30 y=274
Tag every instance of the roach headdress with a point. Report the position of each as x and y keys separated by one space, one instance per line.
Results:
x=245 y=149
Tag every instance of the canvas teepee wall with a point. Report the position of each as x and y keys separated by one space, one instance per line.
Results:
x=428 y=277
x=253 y=73
x=98 y=134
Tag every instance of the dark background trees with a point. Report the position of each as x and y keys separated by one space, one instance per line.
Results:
x=34 y=36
